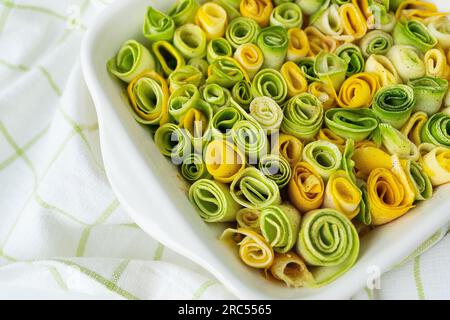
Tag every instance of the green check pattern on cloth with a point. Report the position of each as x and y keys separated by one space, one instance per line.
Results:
x=61 y=227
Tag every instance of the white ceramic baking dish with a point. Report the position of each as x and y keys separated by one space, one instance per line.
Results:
x=149 y=188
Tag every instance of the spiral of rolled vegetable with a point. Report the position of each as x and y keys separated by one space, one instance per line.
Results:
x=390 y=193
x=439 y=27
x=320 y=229
x=224 y=120
x=183 y=99
x=396 y=143
x=287 y=15
x=384 y=69
x=307 y=67
x=417 y=10
x=407 y=61
x=193 y=168
x=303 y=116
x=376 y=42
x=295 y=79
x=437 y=130
x=269 y=83
x=429 y=92
x=280 y=225
x=212 y=18
x=353 y=22
x=436 y=64
x=414 y=33
x=250 y=57
x=298 y=44
x=201 y=64
x=276 y=168
x=148 y=94
x=355 y=124
x=218 y=47
x=267 y=113
x=169 y=58
x=158 y=26
x=413 y=127
x=226 y=71
x=324 y=92
x=380 y=17
x=393 y=104
x=436 y=164
x=173 y=142
x=248 y=218
x=213 y=201
x=291 y=269
x=242 y=93
x=197 y=123
x=273 y=42
x=254 y=251
x=183 y=11
x=190 y=40
x=131 y=60
x=289 y=147
x=358 y=90
x=324 y=156
x=330 y=23
x=342 y=194
x=330 y=69
x=250 y=138
x=216 y=96
x=224 y=161
x=258 y=10
x=319 y=42
x=252 y=189
x=241 y=31
x=351 y=54
x=306 y=187
x=419 y=180
x=185 y=75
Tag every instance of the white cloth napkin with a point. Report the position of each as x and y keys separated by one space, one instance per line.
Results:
x=61 y=227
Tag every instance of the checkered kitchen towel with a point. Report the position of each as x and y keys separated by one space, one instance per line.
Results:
x=61 y=228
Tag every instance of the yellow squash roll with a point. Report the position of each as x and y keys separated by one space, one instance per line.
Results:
x=290 y=268
x=353 y=21
x=254 y=250
x=436 y=64
x=295 y=80
x=212 y=18
x=363 y=7
x=324 y=92
x=384 y=69
x=369 y=158
x=163 y=112
x=290 y=148
x=414 y=126
x=306 y=187
x=358 y=90
x=258 y=10
x=437 y=165
x=250 y=58
x=298 y=46
x=224 y=160
x=417 y=10
x=342 y=194
x=319 y=42
x=390 y=193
